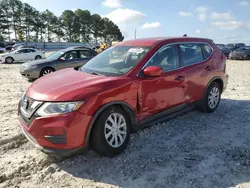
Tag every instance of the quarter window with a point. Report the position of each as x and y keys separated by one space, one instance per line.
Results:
x=191 y=54
x=207 y=51
x=166 y=58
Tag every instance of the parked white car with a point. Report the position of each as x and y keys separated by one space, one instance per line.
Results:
x=21 y=55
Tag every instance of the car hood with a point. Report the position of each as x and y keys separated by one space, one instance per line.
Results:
x=36 y=62
x=5 y=54
x=69 y=85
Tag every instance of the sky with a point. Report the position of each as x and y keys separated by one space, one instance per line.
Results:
x=224 y=21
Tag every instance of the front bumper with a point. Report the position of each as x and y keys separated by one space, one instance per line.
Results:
x=30 y=73
x=60 y=134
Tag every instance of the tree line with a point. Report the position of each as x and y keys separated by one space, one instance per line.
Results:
x=26 y=23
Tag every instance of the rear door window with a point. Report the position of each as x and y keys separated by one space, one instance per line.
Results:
x=70 y=55
x=85 y=54
x=191 y=53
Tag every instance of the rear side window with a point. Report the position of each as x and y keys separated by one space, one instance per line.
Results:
x=191 y=54
x=85 y=54
x=207 y=51
x=30 y=51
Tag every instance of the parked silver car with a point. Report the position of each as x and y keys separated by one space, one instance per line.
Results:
x=67 y=58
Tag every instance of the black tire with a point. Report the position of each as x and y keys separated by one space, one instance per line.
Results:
x=46 y=71
x=38 y=57
x=205 y=107
x=98 y=139
x=9 y=60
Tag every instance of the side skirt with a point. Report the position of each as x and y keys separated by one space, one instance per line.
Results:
x=165 y=115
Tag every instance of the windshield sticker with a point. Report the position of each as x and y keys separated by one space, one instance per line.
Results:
x=136 y=50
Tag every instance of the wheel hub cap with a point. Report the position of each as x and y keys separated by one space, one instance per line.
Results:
x=115 y=130
x=213 y=97
x=47 y=72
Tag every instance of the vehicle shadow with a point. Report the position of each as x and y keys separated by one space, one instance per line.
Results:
x=193 y=150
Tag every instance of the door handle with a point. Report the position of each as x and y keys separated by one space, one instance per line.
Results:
x=208 y=68
x=76 y=61
x=180 y=78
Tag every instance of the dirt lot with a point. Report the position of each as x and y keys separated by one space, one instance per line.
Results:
x=194 y=150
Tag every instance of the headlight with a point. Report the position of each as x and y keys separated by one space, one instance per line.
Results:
x=30 y=66
x=53 y=108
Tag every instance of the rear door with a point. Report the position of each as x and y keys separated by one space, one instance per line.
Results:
x=83 y=57
x=30 y=54
x=198 y=65
x=20 y=55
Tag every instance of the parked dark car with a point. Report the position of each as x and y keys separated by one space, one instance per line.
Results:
x=61 y=59
x=240 y=53
x=234 y=46
x=226 y=51
x=103 y=102
x=8 y=48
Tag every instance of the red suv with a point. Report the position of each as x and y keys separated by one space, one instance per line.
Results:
x=127 y=87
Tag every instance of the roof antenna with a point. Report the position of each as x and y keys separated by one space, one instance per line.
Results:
x=185 y=35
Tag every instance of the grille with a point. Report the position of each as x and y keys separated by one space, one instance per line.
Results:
x=27 y=103
x=29 y=106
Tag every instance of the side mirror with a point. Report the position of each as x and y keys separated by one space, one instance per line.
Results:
x=62 y=58
x=153 y=71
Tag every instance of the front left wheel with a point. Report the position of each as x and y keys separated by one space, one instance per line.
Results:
x=111 y=132
x=38 y=57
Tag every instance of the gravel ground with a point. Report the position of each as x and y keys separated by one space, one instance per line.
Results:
x=193 y=150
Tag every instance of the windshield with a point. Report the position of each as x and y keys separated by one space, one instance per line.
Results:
x=55 y=55
x=115 y=61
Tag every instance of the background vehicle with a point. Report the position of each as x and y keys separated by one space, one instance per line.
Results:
x=102 y=102
x=2 y=50
x=21 y=55
x=240 y=53
x=61 y=59
x=8 y=48
x=234 y=46
x=226 y=51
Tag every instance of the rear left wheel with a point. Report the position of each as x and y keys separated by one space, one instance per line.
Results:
x=9 y=60
x=212 y=98
x=111 y=132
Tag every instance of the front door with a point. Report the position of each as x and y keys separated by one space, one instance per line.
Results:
x=67 y=60
x=164 y=92
x=20 y=55
x=83 y=57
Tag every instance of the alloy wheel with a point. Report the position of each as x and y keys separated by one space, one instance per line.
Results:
x=115 y=130
x=47 y=72
x=213 y=97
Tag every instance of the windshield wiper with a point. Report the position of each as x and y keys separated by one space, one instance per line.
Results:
x=94 y=73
